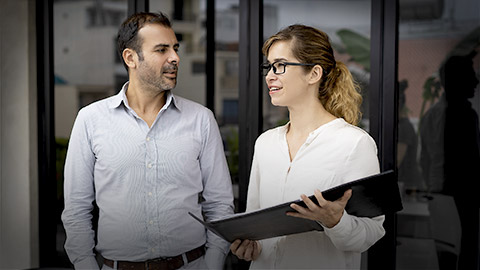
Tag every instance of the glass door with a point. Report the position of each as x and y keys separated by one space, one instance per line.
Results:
x=438 y=141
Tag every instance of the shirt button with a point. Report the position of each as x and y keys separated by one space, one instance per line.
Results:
x=151 y=222
x=149 y=193
x=149 y=165
x=148 y=139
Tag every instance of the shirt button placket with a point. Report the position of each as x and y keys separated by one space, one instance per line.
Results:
x=150 y=186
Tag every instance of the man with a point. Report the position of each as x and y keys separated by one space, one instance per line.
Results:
x=462 y=153
x=147 y=158
x=451 y=150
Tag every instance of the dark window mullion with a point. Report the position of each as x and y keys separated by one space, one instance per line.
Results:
x=250 y=85
x=46 y=135
x=135 y=6
x=383 y=115
x=210 y=57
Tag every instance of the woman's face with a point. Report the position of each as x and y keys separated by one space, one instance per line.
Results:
x=289 y=88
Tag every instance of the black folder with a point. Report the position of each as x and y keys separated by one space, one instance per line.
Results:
x=371 y=196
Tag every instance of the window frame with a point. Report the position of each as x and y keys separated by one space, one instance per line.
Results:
x=383 y=104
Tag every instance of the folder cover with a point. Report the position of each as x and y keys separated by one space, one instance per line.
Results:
x=371 y=196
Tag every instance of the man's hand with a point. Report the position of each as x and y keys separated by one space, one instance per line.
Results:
x=246 y=250
x=327 y=213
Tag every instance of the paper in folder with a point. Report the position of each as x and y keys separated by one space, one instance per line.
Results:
x=371 y=196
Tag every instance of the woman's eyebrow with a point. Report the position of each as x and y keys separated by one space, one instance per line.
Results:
x=277 y=60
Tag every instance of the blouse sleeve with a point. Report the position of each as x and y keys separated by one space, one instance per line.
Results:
x=355 y=233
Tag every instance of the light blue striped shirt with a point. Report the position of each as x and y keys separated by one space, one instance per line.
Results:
x=145 y=181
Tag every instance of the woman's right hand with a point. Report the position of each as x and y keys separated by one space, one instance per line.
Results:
x=246 y=249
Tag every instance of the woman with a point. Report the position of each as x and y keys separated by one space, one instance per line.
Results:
x=319 y=148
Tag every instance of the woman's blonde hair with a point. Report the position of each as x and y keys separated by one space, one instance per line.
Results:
x=338 y=92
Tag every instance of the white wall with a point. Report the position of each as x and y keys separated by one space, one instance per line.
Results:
x=18 y=136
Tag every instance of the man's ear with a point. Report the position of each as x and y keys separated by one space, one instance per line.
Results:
x=130 y=57
x=316 y=74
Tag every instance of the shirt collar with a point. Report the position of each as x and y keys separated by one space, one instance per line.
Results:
x=121 y=97
x=282 y=130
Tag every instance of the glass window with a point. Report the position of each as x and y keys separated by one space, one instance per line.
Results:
x=438 y=134
x=188 y=22
x=227 y=29
x=192 y=75
x=84 y=71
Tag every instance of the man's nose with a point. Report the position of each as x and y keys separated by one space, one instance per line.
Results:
x=174 y=58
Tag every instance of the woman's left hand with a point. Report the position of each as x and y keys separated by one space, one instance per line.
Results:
x=327 y=213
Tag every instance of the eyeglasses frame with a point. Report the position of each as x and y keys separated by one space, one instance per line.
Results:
x=272 y=67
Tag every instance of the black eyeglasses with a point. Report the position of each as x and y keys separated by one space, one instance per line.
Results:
x=279 y=67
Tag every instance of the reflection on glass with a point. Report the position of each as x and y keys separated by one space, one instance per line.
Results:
x=348 y=25
x=438 y=142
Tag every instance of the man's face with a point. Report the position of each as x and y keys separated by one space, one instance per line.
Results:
x=158 y=69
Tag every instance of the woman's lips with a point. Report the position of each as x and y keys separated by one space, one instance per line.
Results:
x=274 y=89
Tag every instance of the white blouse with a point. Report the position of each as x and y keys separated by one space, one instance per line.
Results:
x=333 y=154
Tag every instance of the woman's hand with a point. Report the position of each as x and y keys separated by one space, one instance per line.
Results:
x=327 y=213
x=246 y=249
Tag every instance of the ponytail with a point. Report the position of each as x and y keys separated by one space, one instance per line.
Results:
x=340 y=95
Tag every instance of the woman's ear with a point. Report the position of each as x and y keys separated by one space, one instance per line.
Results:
x=316 y=74
x=130 y=57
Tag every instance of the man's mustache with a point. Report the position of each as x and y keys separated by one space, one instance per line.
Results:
x=170 y=68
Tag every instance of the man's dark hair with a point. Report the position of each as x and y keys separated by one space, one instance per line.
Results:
x=128 y=33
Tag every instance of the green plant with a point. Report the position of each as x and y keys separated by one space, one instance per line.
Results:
x=431 y=92
x=232 y=143
x=356 y=46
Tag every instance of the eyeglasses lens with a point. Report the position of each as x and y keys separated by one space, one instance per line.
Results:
x=278 y=68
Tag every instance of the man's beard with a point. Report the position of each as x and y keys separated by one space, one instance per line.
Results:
x=159 y=82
